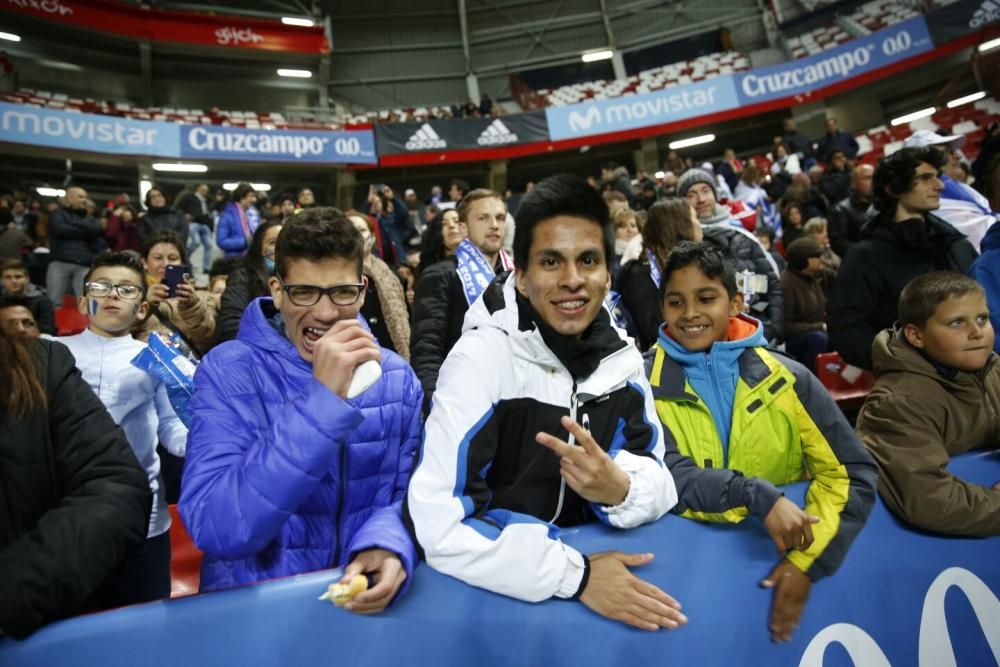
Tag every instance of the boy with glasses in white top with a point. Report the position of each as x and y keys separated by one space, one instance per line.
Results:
x=113 y=299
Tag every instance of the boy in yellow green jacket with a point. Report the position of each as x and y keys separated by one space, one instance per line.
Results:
x=745 y=420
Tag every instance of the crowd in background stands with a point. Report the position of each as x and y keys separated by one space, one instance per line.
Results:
x=821 y=249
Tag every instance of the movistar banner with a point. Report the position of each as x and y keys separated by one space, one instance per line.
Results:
x=95 y=133
x=634 y=111
x=857 y=57
x=21 y=124
x=210 y=142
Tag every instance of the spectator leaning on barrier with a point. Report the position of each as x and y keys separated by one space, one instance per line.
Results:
x=76 y=501
x=903 y=241
x=740 y=247
x=937 y=395
x=76 y=238
x=847 y=216
x=986 y=271
x=137 y=401
x=445 y=291
x=540 y=363
x=238 y=222
x=961 y=207
x=16 y=283
x=730 y=408
x=284 y=473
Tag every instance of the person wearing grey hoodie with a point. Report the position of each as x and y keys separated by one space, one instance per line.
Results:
x=738 y=245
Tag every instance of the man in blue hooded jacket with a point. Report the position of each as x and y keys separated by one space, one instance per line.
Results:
x=285 y=474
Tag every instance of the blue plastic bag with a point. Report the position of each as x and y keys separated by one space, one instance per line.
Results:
x=166 y=361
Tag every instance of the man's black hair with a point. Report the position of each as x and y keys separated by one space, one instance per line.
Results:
x=241 y=191
x=12 y=301
x=126 y=258
x=706 y=257
x=463 y=186
x=223 y=266
x=316 y=235
x=894 y=174
x=562 y=194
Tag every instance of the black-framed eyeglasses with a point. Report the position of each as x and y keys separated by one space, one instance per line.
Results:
x=126 y=291
x=345 y=294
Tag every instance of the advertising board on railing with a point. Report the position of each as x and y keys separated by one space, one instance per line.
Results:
x=95 y=133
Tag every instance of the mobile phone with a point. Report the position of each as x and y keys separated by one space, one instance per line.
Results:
x=175 y=275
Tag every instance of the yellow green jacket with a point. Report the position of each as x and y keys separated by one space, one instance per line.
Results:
x=784 y=428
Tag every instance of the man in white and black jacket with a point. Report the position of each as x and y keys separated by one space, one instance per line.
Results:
x=543 y=418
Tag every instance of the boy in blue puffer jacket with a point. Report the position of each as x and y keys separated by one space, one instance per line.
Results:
x=285 y=474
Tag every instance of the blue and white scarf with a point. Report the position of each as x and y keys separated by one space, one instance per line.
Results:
x=474 y=271
x=654 y=268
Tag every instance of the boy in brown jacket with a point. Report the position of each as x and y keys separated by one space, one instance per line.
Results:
x=937 y=395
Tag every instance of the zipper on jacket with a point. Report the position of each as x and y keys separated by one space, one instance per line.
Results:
x=340 y=505
x=718 y=398
x=572 y=441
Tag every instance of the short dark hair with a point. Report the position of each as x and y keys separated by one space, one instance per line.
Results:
x=12 y=301
x=562 y=194
x=224 y=266
x=463 y=186
x=12 y=264
x=126 y=258
x=165 y=236
x=894 y=174
x=241 y=191
x=154 y=188
x=709 y=260
x=610 y=166
x=922 y=295
x=318 y=234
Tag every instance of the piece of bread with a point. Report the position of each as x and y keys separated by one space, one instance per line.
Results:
x=341 y=594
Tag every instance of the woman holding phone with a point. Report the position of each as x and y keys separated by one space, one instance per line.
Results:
x=175 y=305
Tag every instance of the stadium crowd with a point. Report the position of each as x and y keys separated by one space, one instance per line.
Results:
x=589 y=349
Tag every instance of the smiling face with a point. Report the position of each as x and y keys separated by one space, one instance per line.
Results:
x=111 y=316
x=697 y=308
x=487 y=225
x=566 y=277
x=305 y=324
x=702 y=199
x=959 y=333
x=627 y=230
x=161 y=256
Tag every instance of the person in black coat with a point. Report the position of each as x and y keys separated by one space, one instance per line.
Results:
x=835 y=183
x=75 y=238
x=903 y=241
x=159 y=216
x=848 y=215
x=836 y=139
x=247 y=282
x=76 y=501
x=669 y=222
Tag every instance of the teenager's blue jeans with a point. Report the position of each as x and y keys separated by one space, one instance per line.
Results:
x=200 y=236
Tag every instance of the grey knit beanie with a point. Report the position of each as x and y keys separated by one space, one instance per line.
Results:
x=692 y=176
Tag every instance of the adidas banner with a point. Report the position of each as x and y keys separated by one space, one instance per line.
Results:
x=961 y=18
x=461 y=134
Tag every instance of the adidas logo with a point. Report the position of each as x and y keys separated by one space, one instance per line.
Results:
x=425 y=139
x=988 y=12
x=497 y=133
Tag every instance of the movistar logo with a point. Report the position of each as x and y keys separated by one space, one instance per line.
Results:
x=582 y=121
x=497 y=133
x=988 y=12
x=425 y=139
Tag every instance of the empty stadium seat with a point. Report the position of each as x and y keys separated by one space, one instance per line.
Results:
x=185 y=558
x=69 y=319
x=848 y=385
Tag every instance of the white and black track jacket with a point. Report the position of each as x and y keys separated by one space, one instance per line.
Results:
x=486 y=499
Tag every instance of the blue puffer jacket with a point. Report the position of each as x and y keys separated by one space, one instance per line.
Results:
x=986 y=270
x=284 y=477
x=229 y=234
